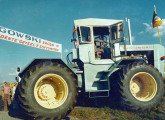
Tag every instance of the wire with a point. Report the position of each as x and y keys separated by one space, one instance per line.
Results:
x=68 y=59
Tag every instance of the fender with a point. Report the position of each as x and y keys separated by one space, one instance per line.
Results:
x=121 y=63
x=36 y=61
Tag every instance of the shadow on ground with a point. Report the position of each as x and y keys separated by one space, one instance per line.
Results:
x=110 y=102
x=13 y=113
x=17 y=114
x=101 y=108
x=110 y=108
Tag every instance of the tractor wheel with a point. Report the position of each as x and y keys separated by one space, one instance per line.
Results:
x=48 y=91
x=142 y=87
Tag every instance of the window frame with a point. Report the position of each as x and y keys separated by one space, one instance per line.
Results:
x=81 y=34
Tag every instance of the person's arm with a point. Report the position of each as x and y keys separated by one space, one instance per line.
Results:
x=3 y=88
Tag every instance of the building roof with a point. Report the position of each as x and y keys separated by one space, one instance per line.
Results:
x=96 y=22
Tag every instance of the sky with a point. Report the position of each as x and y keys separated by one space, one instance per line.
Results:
x=52 y=20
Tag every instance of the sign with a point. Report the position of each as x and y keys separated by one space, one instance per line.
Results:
x=28 y=40
x=137 y=47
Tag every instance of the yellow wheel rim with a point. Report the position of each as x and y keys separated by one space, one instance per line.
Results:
x=143 y=86
x=51 y=91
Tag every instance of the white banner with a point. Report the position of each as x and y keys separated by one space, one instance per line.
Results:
x=25 y=39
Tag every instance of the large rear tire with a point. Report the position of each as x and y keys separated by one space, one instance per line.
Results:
x=48 y=91
x=142 y=87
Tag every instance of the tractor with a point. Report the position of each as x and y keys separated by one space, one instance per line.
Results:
x=102 y=64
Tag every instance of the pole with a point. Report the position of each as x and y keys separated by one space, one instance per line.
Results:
x=159 y=36
x=154 y=8
x=61 y=55
x=158 y=28
x=129 y=31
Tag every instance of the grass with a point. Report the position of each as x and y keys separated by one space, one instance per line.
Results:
x=106 y=113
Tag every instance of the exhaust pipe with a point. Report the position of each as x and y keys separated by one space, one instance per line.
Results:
x=129 y=31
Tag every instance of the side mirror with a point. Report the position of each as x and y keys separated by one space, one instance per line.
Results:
x=162 y=58
x=72 y=40
x=74 y=35
x=17 y=79
x=18 y=69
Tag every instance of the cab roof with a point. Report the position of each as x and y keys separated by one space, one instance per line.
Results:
x=96 y=22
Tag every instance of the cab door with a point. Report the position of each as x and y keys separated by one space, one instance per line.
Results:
x=85 y=43
x=116 y=40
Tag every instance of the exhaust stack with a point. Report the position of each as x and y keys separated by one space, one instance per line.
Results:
x=129 y=31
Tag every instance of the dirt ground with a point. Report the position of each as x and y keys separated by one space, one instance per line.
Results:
x=103 y=109
x=95 y=109
x=16 y=115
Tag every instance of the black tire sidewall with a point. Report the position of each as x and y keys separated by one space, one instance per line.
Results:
x=160 y=87
x=61 y=110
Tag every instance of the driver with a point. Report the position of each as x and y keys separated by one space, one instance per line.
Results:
x=100 y=44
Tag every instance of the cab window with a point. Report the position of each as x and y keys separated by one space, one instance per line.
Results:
x=85 y=33
x=121 y=35
x=101 y=43
x=114 y=33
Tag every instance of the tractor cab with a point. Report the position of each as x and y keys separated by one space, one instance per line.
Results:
x=98 y=40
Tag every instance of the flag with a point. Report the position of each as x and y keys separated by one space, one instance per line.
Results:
x=156 y=21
